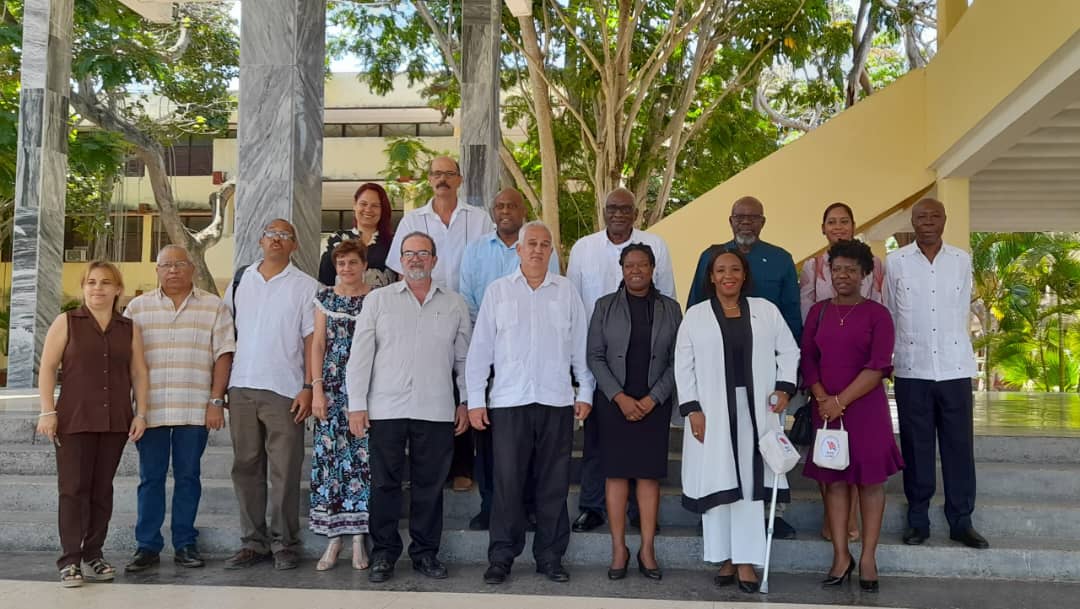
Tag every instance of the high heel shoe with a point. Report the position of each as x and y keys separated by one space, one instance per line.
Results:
x=748 y=587
x=619 y=573
x=359 y=553
x=831 y=581
x=868 y=585
x=656 y=573
x=330 y=556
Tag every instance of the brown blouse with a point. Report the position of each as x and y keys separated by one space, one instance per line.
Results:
x=95 y=395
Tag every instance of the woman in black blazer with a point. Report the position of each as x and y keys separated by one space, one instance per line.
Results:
x=631 y=352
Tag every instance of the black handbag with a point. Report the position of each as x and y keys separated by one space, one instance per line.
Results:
x=802 y=428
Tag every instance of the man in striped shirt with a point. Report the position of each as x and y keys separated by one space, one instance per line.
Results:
x=189 y=342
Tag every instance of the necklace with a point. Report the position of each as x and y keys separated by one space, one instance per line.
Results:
x=845 y=315
x=730 y=308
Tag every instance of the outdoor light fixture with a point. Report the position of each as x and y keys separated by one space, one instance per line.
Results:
x=519 y=8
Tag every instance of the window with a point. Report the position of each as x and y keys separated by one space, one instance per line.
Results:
x=134 y=168
x=333 y=130
x=124 y=238
x=400 y=129
x=335 y=220
x=436 y=129
x=161 y=238
x=355 y=130
x=191 y=155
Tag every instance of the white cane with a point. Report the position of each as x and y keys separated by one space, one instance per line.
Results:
x=764 y=588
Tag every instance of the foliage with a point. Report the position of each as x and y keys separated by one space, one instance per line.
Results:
x=406 y=171
x=1027 y=298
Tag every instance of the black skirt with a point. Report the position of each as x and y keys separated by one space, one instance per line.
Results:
x=637 y=449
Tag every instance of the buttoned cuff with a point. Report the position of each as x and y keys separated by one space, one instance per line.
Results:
x=688 y=407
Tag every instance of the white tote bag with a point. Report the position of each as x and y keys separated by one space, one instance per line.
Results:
x=831 y=447
x=777 y=451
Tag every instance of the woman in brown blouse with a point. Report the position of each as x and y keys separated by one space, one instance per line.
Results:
x=101 y=354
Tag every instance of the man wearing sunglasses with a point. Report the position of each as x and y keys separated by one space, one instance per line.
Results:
x=273 y=305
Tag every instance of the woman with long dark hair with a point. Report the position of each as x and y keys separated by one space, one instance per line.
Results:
x=371 y=226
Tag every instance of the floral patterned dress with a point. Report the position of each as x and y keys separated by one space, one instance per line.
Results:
x=340 y=474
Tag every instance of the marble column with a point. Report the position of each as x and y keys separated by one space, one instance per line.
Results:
x=280 y=130
x=40 y=183
x=480 y=132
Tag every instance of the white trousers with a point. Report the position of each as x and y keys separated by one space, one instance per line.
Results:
x=737 y=530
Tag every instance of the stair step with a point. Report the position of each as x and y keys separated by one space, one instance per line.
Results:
x=677 y=548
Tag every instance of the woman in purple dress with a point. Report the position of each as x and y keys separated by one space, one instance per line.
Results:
x=847 y=349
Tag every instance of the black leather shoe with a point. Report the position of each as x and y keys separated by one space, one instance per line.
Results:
x=555 y=572
x=496 y=574
x=141 y=561
x=781 y=529
x=656 y=573
x=189 y=557
x=480 y=522
x=916 y=537
x=748 y=587
x=587 y=521
x=869 y=585
x=620 y=573
x=832 y=581
x=430 y=566
x=381 y=570
x=723 y=580
x=970 y=538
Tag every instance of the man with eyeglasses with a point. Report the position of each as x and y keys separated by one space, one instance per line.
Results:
x=273 y=305
x=410 y=343
x=772 y=277
x=188 y=338
x=594 y=270
x=452 y=227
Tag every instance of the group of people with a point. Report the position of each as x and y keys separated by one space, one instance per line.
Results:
x=453 y=349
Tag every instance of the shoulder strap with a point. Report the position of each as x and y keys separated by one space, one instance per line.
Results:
x=236 y=285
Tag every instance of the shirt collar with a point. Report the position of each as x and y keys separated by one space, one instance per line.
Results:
x=193 y=294
x=401 y=287
x=254 y=268
x=634 y=236
x=517 y=275
x=493 y=238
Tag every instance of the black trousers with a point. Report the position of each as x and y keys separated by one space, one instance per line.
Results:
x=542 y=435
x=941 y=411
x=430 y=447
x=464 y=447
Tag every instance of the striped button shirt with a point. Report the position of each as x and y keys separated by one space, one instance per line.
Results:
x=181 y=346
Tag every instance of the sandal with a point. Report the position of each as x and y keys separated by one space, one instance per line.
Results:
x=71 y=576
x=100 y=571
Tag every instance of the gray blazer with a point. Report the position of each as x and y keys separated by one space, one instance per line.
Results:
x=609 y=338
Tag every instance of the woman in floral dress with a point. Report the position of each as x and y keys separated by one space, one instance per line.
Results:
x=340 y=475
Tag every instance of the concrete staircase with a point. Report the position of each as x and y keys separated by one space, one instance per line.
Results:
x=1026 y=507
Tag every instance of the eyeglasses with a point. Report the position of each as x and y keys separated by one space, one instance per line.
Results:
x=421 y=254
x=747 y=218
x=443 y=174
x=278 y=234
x=626 y=210
x=178 y=265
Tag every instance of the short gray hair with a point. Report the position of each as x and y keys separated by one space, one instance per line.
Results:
x=534 y=224
x=173 y=247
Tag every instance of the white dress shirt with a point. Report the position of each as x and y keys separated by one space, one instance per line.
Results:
x=467 y=224
x=533 y=338
x=405 y=354
x=931 y=308
x=272 y=319
x=594 y=265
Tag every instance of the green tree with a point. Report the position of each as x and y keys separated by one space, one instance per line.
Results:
x=612 y=93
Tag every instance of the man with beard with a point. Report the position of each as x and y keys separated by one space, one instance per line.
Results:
x=488 y=258
x=452 y=227
x=410 y=342
x=928 y=291
x=774 y=279
x=595 y=271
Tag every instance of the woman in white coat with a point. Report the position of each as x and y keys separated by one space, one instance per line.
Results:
x=732 y=355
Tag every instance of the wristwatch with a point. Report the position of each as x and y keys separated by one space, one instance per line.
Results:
x=217 y=402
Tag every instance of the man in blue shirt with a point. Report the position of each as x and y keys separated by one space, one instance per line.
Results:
x=773 y=278
x=486 y=259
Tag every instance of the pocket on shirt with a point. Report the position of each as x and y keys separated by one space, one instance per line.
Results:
x=559 y=316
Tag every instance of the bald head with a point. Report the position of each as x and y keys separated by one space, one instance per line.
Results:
x=928 y=222
x=747 y=219
x=508 y=212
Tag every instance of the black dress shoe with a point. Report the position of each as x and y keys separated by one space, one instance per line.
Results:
x=587 y=521
x=656 y=573
x=723 y=580
x=869 y=585
x=430 y=566
x=189 y=557
x=480 y=522
x=748 y=587
x=496 y=574
x=832 y=581
x=555 y=572
x=381 y=570
x=781 y=529
x=141 y=561
x=916 y=537
x=970 y=538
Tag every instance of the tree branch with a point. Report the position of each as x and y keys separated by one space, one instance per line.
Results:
x=177 y=50
x=445 y=45
x=868 y=12
x=761 y=104
x=580 y=42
